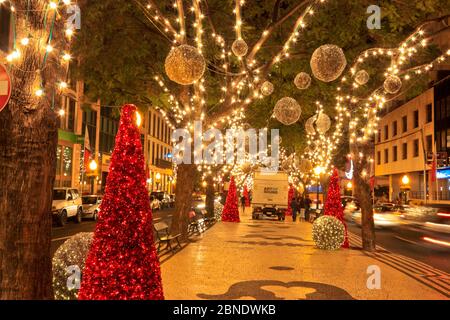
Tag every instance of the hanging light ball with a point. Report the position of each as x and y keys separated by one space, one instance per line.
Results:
x=68 y=260
x=185 y=65
x=328 y=62
x=287 y=111
x=267 y=88
x=239 y=47
x=328 y=233
x=392 y=84
x=362 y=77
x=323 y=123
x=302 y=81
x=309 y=125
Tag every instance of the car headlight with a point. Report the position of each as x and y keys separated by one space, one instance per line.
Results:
x=201 y=206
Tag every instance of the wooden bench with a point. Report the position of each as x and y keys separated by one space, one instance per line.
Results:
x=163 y=235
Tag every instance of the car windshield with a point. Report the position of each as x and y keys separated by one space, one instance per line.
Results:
x=89 y=200
x=59 y=194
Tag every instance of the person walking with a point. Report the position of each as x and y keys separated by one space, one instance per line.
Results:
x=307 y=205
x=294 y=207
x=243 y=204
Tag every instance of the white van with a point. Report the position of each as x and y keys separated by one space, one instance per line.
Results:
x=66 y=204
x=270 y=195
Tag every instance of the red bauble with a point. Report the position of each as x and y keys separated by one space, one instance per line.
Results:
x=122 y=262
x=333 y=205
x=230 y=211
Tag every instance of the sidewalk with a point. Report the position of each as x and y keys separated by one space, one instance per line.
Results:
x=278 y=260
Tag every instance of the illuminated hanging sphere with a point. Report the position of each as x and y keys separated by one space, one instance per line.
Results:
x=287 y=111
x=309 y=125
x=328 y=62
x=392 y=84
x=323 y=123
x=185 y=65
x=239 y=47
x=267 y=88
x=302 y=81
x=68 y=259
x=362 y=77
x=328 y=233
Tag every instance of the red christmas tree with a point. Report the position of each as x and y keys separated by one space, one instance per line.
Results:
x=333 y=205
x=247 y=198
x=291 y=194
x=230 y=211
x=122 y=262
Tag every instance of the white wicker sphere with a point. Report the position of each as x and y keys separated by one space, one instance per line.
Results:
x=302 y=81
x=309 y=125
x=72 y=253
x=239 y=47
x=287 y=111
x=392 y=84
x=185 y=65
x=323 y=123
x=362 y=77
x=328 y=62
x=328 y=233
x=267 y=88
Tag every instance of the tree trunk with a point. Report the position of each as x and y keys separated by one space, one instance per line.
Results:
x=209 y=202
x=186 y=176
x=363 y=194
x=28 y=140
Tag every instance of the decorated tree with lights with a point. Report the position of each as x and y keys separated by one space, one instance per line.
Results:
x=239 y=75
x=37 y=61
x=246 y=196
x=333 y=204
x=230 y=212
x=123 y=263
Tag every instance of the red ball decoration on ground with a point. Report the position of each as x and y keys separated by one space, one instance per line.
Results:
x=333 y=204
x=122 y=263
x=230 y=211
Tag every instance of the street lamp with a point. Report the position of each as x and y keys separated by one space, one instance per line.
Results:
x=405 y=180
x=318 y=171
x=93 y=165
x=405 y=186
x=158 y=180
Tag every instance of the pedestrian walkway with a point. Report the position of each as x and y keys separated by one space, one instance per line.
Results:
x=278 y=260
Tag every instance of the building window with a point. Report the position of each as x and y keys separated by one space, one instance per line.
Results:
x=404 y=124
x=394 y=153
x=378 y=157
x=429 y=112
x=416 y=148
x=386 y=155
x=394 y=128
x=64 y=155
x=405 y=151
x=416 y=118
x=429 y=140
x=386 y=132
x=5 y=27
x=90 y=120
x=379 y=135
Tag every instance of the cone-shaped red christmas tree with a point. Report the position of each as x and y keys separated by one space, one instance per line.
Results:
x=291 y=194
x=230 y=211
x=333 y=205
x=247 y=199
x=122 y=261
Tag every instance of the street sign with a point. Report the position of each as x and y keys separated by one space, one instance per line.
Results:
x=5 y=87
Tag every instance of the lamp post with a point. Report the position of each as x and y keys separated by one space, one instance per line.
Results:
x=93 y=167
x=158 y=180
x=318 y=171
x=405 y=186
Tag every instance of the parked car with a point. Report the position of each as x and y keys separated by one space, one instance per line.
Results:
x=91 y=206
x=270 y=195
x=384 y=216
x=427 y=227
x=66 y=204
x=155 y=204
